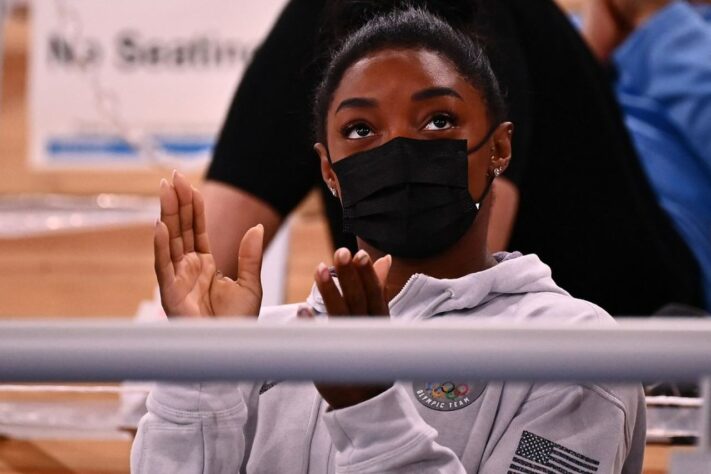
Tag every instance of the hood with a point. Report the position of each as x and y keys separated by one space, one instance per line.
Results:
x=423 y=297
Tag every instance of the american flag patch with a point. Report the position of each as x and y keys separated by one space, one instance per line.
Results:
x=536 y=455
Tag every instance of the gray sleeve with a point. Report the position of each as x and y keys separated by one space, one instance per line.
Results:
x=386 y=434
x=197 y=428
x=572 y=429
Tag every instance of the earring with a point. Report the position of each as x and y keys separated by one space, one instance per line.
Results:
x=497 y=171
x=333 y=191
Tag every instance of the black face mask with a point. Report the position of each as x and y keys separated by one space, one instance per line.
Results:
x=409 y=198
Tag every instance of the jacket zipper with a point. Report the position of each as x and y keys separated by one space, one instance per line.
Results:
x=404 y=289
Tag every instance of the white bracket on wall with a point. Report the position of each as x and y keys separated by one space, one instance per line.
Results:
x=699 y=461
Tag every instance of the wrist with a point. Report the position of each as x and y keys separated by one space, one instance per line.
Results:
x=339 y=397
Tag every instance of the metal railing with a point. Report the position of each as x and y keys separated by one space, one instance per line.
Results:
x=353 y=350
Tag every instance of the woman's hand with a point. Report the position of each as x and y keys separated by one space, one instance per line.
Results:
x=189 y=282
x=362 y=294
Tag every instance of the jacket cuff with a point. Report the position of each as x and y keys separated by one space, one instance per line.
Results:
x=188 y=402
x=377 y=428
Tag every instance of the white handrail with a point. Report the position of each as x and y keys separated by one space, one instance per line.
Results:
x=353 y=350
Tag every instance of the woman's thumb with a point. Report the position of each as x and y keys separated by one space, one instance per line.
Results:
x=249 y=263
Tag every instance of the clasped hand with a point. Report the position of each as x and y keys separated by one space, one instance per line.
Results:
x=191 y=285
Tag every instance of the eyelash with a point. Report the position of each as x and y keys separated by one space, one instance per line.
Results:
x=447 y=116
x=349 y=128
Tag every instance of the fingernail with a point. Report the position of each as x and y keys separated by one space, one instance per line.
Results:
x=361 y=258
x=304 y=312
x=163 y=182
x=343 y=256
x=175 y=172
x=323 y=272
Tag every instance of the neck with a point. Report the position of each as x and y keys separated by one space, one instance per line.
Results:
x=468 y=255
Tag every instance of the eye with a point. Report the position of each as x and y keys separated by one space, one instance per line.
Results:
x=357 y=131
x=440 y=122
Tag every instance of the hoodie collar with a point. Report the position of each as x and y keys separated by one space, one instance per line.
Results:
x=424 y=297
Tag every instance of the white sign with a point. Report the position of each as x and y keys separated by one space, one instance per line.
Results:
x=122 y=83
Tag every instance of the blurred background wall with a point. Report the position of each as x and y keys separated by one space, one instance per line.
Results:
x=75 y=234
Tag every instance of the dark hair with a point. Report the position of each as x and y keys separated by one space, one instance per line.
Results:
x=343 y=17
x=411 y=28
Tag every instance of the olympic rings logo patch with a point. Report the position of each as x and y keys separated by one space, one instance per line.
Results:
x=447 y=396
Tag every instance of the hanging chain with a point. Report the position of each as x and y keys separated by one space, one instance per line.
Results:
x=106 y=100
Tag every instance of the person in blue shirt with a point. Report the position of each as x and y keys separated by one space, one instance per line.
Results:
x=660 y=51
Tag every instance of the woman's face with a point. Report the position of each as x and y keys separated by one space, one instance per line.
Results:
x=413 y=94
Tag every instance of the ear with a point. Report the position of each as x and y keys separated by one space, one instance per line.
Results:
x=501 y=148
x=327 y=173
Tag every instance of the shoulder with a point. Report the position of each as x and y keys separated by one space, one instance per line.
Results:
x=612 y=407
x=557 y=307
x=597 y=426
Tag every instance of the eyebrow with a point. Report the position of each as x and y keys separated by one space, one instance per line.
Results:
x=433 y=92
x=357 y=102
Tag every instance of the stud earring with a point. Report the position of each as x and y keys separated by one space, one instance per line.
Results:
x=497 y=171
x=333 y=191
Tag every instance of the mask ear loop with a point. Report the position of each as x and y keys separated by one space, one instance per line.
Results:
x=476 y=148
x=483 y=141
x=485 y=193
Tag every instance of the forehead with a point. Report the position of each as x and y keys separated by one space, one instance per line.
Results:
x=398 y=70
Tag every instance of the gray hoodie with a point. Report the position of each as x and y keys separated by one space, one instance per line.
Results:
x=441 y=426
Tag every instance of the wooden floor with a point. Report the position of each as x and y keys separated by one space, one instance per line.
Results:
x=64 y=457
